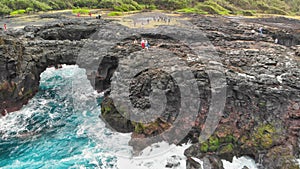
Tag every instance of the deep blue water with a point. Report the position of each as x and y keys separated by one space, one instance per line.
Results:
x=59 y=128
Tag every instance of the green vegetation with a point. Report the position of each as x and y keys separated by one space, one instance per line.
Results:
x=264 y=135
x=219 y=7
x=192 y=10
x=139 y=128
x=152 y=128
x=212 y=8
x=227 y=149
x=18 y=12
x=114 y=14
x=246 y=12
x=204 y=147
x=213 y=143
x=224 y=144
x=81 y=10
x=105 y=110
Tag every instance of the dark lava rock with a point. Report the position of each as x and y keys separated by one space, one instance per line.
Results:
x=260 y=88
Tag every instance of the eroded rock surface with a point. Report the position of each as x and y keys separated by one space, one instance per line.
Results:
x=261 y=84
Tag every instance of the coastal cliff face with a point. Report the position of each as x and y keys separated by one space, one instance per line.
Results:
x=261 y=95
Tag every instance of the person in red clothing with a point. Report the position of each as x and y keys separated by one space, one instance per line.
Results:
x=143 y=43
x=5 y=27
x=90 y=14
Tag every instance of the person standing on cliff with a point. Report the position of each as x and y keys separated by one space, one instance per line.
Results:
x=143 y=43
x=260 y=31
x=5 y=28
x=147 y=46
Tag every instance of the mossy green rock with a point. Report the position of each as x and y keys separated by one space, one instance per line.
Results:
x=113 y=118
x=213 y=141
x=263 y=136
x=227 y=149
x=204 y=147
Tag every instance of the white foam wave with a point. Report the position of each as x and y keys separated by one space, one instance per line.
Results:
x=239 y=163
x=151 y=158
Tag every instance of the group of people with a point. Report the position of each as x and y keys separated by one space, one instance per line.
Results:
x=155 y=19
x=90 y=14
x=161 y=18
x=144 y=44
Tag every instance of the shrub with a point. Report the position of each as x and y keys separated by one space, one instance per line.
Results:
x=4 y=9
x=120 y=8
x=81 y=10
x=28 y=10
x=131 y=7
x=217 y=8
x=18 y=12
x=152 y=7
x=114 y=14
x=274 y=10
x=136 y=5
x=225 y=4
x=21 y=4
x=54 y=5
x=262 y=6
x=41 y=6
x=246 y=12
x=85 y=3
x=126 y=7
x=188 y=10
x=171 y=4
x=106 y=4
x=212 y=8
x=245 y=4
x=192 y=10
x=204 y=147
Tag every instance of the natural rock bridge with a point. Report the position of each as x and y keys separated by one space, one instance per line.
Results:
x=261 y=114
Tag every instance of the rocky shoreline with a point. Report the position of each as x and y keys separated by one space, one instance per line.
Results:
x=261 y=116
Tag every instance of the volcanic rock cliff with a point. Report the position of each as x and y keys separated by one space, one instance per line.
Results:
x=222 y=69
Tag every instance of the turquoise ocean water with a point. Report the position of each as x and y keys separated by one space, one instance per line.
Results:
x=59 y=128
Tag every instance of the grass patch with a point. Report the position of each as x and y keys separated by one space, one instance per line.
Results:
x=227 y=5
x=187 y=10
x=115 y=14
x=246 y=12
x=151 y=7
x=81 y=10
x=18 y=12
x=192 y=10
x=275 y=10
x=212 y=8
